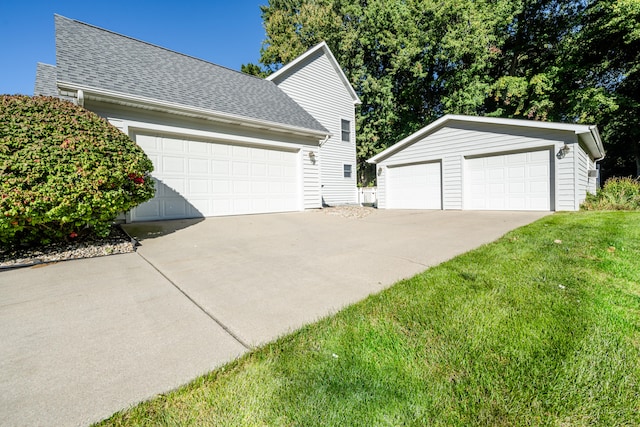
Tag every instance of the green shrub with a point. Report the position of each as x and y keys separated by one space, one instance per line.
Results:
x=64 y=171
x=621 y=194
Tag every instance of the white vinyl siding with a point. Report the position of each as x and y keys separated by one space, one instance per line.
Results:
x=457 y=141
x=381 y=183
x=317 y=87
x=312 y=192
x=452 y=183
x=565 y=179
x=584 y=184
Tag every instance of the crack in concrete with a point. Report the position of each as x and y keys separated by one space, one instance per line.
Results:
x=201 y=308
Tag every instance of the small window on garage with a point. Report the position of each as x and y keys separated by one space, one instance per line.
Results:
x=346 y=130
x=347 y=171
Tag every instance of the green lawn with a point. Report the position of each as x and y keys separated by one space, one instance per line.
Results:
x=527 y=330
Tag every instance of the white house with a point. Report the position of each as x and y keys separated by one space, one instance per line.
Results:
x=331 y=100
x=484 y=163
x=221 y=142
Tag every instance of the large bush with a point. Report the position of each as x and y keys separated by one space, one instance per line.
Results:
x=64 y=171
x=622 y=194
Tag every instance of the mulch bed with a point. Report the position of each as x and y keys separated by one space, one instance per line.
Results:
x=117 y=242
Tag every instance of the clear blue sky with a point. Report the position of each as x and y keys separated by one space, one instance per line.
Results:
x=227 y=33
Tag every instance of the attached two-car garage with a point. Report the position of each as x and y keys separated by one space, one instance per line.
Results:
x=200 y=178
x=481 y=163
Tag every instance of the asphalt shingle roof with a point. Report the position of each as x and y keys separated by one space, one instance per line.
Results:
x=98 y=58
x=45 y=80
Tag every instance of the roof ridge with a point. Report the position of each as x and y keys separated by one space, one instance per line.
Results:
x=158 y=46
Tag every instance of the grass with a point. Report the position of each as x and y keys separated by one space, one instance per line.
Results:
x=541 y=327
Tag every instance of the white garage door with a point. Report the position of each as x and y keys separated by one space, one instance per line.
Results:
x=520 y=181
x=196 y=178
x=414 y=187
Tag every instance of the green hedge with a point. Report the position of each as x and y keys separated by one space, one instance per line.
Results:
x=618 y=194
x=64 y=171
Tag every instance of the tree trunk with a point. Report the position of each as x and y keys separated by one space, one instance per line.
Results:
x=636 y=154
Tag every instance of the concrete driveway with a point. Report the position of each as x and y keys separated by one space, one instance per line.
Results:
x=83 y=339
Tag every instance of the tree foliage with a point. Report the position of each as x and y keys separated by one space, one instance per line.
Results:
x=64 y=171
x=411 y=61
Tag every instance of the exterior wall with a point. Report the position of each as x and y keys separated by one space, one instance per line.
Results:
x=452 y=184
x=453 y=143
x=312 y=192
x=584 y=183
x=130 y=120
x=316 y=86
x=381 y=184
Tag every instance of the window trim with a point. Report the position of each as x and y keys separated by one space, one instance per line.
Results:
x=344 y=171
x=343 y=131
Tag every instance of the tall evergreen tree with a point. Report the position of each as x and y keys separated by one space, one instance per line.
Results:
x=411 y=61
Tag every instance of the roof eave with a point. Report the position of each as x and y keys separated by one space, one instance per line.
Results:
x=593 y=142
x=119 y=98
x=588 y=133
x=408 y=140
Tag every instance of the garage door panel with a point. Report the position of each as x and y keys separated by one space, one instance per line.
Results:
x=240 y=152
x=522 y=183
x=538 y=186
x=541 y=171
x=517 y=172
x=196 y=178
x=220 y=150
x=170 y=145
x=221 y=188
x=199 y=186
x=199 y=166
x=539 y=156
x=492 y=174
x=173 y=164
x=259 y=170
x=240 y=169
x=220 y=167
x=415 y=186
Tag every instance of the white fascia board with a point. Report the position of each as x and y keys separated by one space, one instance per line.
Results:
x=174 y=108
x=579 y=130
x=408 y=140
x=332 y=59
x=136 y=126
x=593 y=142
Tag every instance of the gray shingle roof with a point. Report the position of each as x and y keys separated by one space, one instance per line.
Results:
x=91 y=56
x=45 y=80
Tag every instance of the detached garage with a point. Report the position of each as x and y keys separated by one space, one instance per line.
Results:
x=483 y=163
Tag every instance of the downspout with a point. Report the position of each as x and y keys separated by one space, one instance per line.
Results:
x=596 y=138
x=322 y=203
x=80 y=95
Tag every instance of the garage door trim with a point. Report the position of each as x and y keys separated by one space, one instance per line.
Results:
x=528 y=181
x=405 y=198
x=256 y=177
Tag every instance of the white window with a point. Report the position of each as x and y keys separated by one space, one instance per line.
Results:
x=346 y=130
x=347 y=171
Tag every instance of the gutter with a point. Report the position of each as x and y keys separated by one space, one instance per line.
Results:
x=596 y=137
x=151 y=104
